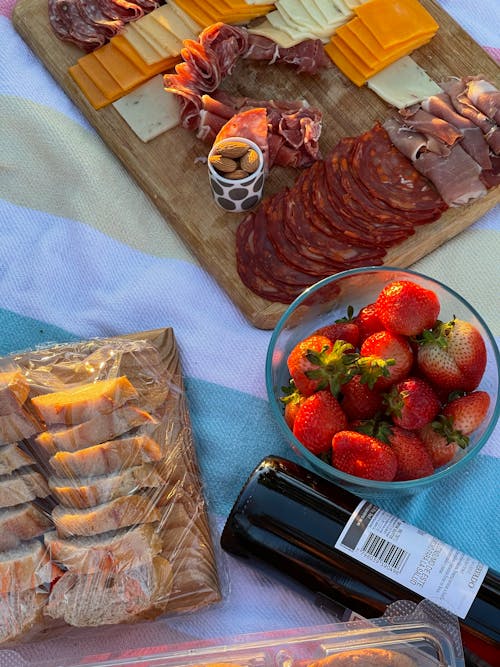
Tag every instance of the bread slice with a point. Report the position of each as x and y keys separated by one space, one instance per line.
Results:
x=106 y=598
x=17 y=426
x=119 y=513
x=21 y=523
x=116 y=551
x=22 y=486
x=108 y=457
x=82 y=493
x=99 y=429
x=84 y=402
x=12 y=457
x=20 y=611
x=27 y=566
x=14 y=390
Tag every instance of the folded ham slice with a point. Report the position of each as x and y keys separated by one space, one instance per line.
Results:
x=17 y=426
x=19 y=612
x=12 y=457
x=456 y=176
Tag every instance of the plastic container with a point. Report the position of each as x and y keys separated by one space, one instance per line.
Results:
x=409 y=644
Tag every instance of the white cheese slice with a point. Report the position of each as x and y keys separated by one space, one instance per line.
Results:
x=167 y=18
x=295 y=32
x=341 y=5
x=150 y=54
x=403 y=83
x=267 y=30
x=160 y=37
x=149 y=110
x=295 y=14
x=195 y=27
x=326 y=13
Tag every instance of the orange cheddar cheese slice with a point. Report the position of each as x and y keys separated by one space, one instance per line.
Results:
x=395 y=21
x=102 y=79
x=123 y=71
x=366 y=37
x=148 y=71
x=389 y=57
x=344 y=64
x=95 y=96
x=349 y=37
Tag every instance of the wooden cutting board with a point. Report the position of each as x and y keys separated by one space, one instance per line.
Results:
x=167 y=170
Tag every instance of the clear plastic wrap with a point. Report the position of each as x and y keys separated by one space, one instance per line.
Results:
x=102 y=514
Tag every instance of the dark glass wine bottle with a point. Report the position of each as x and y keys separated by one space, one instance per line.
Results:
x=292 y=519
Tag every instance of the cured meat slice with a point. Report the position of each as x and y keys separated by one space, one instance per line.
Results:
x=456 y=89
x=456 y=177
x=227 y=43
x=485 y=96
x=288 y=247
x=422 y=121
x=69 y=25
x=93 y=14
x=201 y=67
x=21 y=523
x=247 y=258
x=14 y=390
x=12 y=457
x=121 y=9
x=250 y=124
x=308 y=56
x=388 y=175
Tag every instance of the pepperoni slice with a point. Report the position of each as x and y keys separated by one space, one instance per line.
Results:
x=388 y=175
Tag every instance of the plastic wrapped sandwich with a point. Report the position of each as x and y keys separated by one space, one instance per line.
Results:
x=102 y=515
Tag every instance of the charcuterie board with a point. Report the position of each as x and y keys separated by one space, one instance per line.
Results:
x=168 y=171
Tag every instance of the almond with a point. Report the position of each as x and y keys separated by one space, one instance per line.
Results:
x=222 y=164
x=232 y=149
x=237 y=175
x=250 y=161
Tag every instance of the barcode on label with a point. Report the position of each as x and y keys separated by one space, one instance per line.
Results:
x=384 y=552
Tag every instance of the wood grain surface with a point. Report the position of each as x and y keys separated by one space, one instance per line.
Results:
x=167 y=170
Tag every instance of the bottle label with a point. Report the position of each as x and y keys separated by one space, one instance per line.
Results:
x=412 y=558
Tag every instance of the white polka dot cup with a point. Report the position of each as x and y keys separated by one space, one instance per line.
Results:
x=230 y=192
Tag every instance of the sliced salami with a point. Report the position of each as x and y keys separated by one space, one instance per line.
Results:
x=70 y=25
x=388 y=175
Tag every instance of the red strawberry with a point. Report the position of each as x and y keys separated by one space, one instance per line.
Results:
x=346 y=331
x=359 y=401
x=412 y=403
x=453 y=356
x=318 y=419
x=363 y=456
x=368 y=322
x=406 y=308
x=414 y=461
x=315 y=363
x=440 y=450
x=467 y=413
x=292 y=399
x=385 y=358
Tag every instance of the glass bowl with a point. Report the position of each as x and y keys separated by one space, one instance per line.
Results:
x=327 y=301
